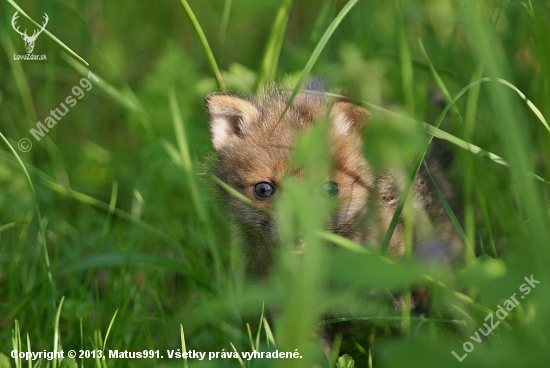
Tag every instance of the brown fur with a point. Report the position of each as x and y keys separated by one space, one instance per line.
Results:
x=254 y=145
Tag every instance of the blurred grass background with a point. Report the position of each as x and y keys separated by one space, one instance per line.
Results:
x=124 y=218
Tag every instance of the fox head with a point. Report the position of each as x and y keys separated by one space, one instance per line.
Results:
x=254 y=146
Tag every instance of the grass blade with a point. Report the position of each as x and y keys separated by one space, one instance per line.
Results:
x=223 y=26
x=509 y=124
x=450 y=212
x=343 y=242
x=112 y=207
x=438 y=133
x=8 y=226
x=530 y=104
x=205 y=45
x=89 y=200
x=268 y=334
x=108 y=331
x=394 y=319
x=56 y=332
x=181 y=135
x=260 y=327
x=273 y=47
x=317 y=51
x=405 y=58
x=125 y=98
x=238 y=355
x=405 y=194
x=237 y=194
x=42 y=230
x=440 y=84
x=131 y=259
x=190 y=177
x=250 y=339
x=183 y=347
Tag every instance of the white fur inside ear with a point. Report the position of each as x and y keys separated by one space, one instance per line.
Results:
x=347 y=118
x=221 y=128
x=230 y=117
x=342 y=124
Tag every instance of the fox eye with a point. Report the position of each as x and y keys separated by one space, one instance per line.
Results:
x=329 y=189
x=264 y=190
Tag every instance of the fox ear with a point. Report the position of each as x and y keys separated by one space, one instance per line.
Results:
x=348 y=118
x=228 y=117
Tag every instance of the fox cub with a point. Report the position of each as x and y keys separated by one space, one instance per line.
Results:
x=254 y=150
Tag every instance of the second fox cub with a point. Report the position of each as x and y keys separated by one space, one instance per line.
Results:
x=254 y=149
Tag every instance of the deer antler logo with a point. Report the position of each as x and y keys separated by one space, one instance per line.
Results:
x=29 y=40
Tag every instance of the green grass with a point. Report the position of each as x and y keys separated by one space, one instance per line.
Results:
x=111 y=231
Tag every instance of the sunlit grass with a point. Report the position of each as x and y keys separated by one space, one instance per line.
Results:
x=111 y=232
